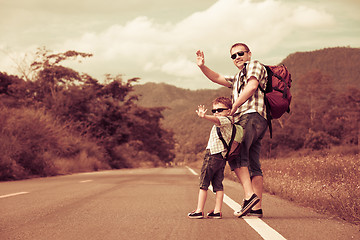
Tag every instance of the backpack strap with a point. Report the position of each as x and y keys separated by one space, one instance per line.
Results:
x=228 y=147
x=243 y=72
x=266 y=101
x=268 y=115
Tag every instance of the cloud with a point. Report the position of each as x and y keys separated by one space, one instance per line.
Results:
x=312 y=18
x=181 y=67
x=156 y=51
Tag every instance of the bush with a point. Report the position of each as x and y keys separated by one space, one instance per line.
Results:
x=319 y=140
x=131 y=155
x=33 y=143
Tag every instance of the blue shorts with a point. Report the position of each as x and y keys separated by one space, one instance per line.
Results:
x=212 y=171
x=254 y=130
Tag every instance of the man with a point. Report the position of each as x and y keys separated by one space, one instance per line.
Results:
x=249 y=111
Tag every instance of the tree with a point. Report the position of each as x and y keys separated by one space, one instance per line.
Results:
x=106 y=112
x=306 y=126
x=12 y=90
x=342 y=118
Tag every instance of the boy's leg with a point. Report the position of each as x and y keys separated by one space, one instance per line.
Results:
x=205 y=177
x=218 y=201
x=201 y=200
x=217 y=181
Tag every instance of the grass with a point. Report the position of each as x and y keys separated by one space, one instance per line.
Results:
x=327 y=181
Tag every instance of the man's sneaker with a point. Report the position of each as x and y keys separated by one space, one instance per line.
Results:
x=214 y=215
x=255 y=213
x=247 y=205
x=194 y=214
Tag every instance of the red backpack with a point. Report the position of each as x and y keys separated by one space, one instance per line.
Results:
x=277 y=92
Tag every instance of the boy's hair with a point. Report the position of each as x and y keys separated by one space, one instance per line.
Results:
x=240 y=44
x=224 y=100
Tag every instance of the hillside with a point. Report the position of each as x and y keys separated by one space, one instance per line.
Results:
x=340 y=65
x=165 y=95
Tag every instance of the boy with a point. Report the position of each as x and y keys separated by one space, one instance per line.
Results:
x=214 y=161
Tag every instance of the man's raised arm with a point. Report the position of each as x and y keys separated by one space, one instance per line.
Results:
x=210 y=74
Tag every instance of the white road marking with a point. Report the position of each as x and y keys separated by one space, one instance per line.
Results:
x=85 y=181
x=192 y=171
x=265 y=231
x=13 y=194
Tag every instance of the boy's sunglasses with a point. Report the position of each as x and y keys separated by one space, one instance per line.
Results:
x=219 y=110
x=241 y=53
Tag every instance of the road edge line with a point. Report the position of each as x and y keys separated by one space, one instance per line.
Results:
x=263 y=229
x=13 y=194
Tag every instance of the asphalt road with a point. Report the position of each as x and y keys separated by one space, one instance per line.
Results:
x=147 y=204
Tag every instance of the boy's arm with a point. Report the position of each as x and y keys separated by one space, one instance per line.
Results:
x=201 y=112
x=210 y=74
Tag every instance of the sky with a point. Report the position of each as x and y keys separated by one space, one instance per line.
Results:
x=156 y=40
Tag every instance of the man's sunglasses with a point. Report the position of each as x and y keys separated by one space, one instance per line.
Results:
x=219 y=110
x=241 y=53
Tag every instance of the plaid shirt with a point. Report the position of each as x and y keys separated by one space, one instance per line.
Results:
x=256 y=102
x=215 y=145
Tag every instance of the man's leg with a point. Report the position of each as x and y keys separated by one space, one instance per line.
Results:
x=254 y=129
x=251 y=199
x=243 y=175
x=257 y=185
x=254 y=156
x=256 y=172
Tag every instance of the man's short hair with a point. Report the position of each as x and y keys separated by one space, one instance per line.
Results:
x=240 y=44
x=224 y=100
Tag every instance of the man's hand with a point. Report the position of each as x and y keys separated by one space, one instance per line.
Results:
x=233 y=111
x=201 y=111
x=200 y=59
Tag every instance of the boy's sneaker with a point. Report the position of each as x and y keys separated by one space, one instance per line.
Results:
x=247 y=205
x=214 y=215
x=255 y=213
x=196 y=215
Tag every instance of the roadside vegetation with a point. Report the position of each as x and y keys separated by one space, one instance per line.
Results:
x=33 y=143
x=327 y=181
x=54 y=120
